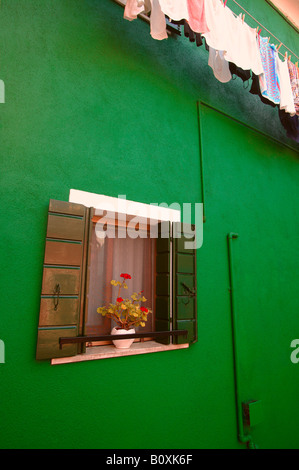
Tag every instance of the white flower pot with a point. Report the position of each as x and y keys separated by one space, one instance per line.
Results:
x=122 y=343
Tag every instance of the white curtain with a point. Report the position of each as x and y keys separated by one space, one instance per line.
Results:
x=109 y=257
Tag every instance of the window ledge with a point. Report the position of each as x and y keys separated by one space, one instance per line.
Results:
x=106 y=352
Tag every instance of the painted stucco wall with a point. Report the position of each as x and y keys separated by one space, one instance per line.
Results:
x=289 y=8
x=93 y=103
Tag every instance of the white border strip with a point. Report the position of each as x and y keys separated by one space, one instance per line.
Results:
x=124 y=206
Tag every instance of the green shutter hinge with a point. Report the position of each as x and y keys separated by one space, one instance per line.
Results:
x=188 y=292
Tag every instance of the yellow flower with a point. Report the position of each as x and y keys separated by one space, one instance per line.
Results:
x=123 y=306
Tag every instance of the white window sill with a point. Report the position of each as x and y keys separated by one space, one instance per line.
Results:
x=107 y=352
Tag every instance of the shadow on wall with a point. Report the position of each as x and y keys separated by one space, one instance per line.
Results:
x=183 y=66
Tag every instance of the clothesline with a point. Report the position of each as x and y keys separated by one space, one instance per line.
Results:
x=263 y=27
x=235 y=48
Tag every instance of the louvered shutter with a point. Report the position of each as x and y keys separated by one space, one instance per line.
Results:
x=62 y=295
x=184 y=300
x=162 y=303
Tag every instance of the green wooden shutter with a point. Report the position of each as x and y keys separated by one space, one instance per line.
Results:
x=184 y=300
x=162 y=303
x=62 y=295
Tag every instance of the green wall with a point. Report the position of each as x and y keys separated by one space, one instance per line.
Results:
x=93 y=103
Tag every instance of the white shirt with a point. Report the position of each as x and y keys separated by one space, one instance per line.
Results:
x=175 y=9
x=217 y=18
x=286 y=95
x=219 y=65
x=229 y=34
x=243 y=48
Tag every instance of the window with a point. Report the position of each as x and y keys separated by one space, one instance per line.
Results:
x=114 y=249
x=88 y=246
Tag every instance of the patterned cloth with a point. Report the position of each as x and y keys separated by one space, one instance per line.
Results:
x=269 y=81
x=294 y=77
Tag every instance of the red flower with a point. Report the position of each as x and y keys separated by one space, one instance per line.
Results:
x=144 y=309
x=125 y=276
x=119 y=299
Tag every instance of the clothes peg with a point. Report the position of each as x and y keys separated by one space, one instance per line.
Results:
x=286 y=56
x=279 y=46
x=243 y=18
x=225 y=2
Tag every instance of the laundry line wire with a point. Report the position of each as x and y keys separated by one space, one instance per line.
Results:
x=283 y=55
x=263 y=27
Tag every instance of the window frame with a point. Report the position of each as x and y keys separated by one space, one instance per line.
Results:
x=82 y=201
x=129 y=210
x=116 y=221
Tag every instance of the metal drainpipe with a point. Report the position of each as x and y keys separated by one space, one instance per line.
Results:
x=244 y=439
x=199 y=123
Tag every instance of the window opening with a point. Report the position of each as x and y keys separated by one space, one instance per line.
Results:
x=115 y=249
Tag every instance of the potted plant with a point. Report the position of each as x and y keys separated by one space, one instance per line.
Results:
x=127 y=313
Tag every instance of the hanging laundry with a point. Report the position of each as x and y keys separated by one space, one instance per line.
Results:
x=290 y=123
x=197 y=16
x=145 y=3
x=233 y=36
x=219 y=65
x=242 y=48
x=245 y=75
x=255 y=90
x=175 y=9
x=234 y=50
x=157 y=21
x=286 y=95
x=189 y=33
x=294 y=77
x=157 y=17
x=269 y=81
x=132 y=10
x=218 y=18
